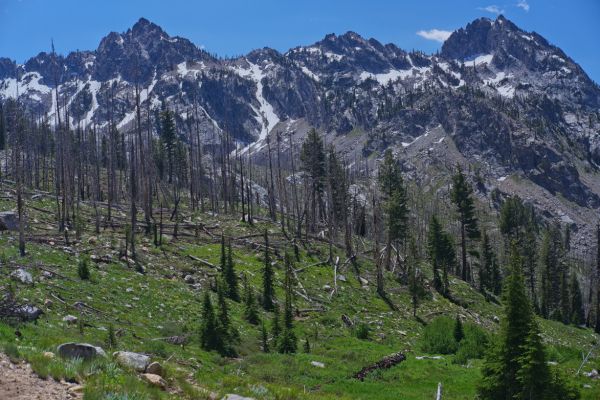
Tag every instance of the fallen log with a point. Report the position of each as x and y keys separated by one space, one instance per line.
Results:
x=384 y=363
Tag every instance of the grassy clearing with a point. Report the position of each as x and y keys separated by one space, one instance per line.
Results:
x=146 y=307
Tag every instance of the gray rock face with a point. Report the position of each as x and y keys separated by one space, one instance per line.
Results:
x=135 y=361
x=8 y=221
x=20 y=275
x=79 y=350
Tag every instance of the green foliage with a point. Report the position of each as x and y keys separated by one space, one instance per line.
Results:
x=306 y=347
x=12 y=351
x=250 y=306
x=473 y=345
x=459 y=332
x=577 y=313
x=516 y=365
x=287 y=340
x=362 y=331
x=462 y=198
x=264 y=338
x=111 y=337
x=83 y=269
x=441 y=254
x=312 y=156
x=229 y=276
x=438 y=337
x=268 y=293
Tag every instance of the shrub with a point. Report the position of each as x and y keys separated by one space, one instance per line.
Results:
x=438 y=337
x=12 y=351
x=362 y=331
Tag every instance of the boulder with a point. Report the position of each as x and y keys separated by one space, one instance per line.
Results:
x=48 y=354
x=236 y=397
x=188 y=279
x=79 y=350
x=9 y=221
x=155 y=368
x=28 y=312
x=317 y=364
x=20 y=275
x=70 y=319
x=155 y=380
x=135 y=361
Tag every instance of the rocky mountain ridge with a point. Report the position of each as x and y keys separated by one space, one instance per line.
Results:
x=511 y=103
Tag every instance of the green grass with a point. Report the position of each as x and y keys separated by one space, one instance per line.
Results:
x=145 y=307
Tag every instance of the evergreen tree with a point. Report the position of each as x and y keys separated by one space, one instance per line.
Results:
x=515 y=367
x=287 y=341
x=415 y=277
x=312 y=156
x=306 y=346
x=83 y=269
x=577 y=313
x=264 y=338
x=229 y=276
x=462 y=198
x=395 y=202
x=168 y=138
x=441 y=255
x=276 y=324
x=224 y=329
x=268 y=273
x=111 y=337
x=209 y=335
x=250 y=307
x=459 y=333
x=552 y=269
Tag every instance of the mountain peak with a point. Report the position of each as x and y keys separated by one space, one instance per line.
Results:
x=144 y=27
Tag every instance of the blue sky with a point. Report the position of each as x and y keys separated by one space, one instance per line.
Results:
x=234 y=27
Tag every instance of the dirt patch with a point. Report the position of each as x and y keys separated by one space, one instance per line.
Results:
x=19 y=382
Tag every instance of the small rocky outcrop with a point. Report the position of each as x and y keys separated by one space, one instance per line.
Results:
x=136 y=361
x=84 y=351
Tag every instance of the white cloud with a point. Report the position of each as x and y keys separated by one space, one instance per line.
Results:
x=494 y=9
x=435 y=34
x=524 y=5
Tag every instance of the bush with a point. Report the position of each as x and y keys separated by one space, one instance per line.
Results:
x=362 y=331
x=12 y=351
x=438 y=337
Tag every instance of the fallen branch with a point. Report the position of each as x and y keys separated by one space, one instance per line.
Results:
x=384 y=363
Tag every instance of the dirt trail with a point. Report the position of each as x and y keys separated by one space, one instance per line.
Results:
x=18 y=382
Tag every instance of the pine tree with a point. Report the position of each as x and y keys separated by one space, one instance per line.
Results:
x=111 y=337
x=577 y=313
x=395 y=202
x=276 y=324
x=552 y=269
x=459 y=333
x=415 y=277
x=441 y=255
x=306 y=346
x=533 y=374
x=83 y=269
x=462 y=198
x=312 y=156
x=287 y=341
x=228 y=274
x=264 y=338
x=209 y=337
x=489 y=274
x=268 y=294
x=250 y=307
x=223 y=327
x=168 y=138
x=516 y=367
